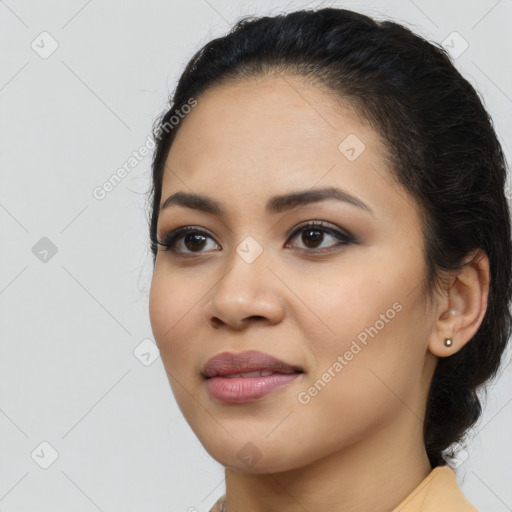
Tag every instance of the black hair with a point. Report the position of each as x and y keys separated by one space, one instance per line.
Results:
x=443 y=149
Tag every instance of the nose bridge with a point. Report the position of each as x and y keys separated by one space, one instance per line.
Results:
x=245 y=276
x=245 y=290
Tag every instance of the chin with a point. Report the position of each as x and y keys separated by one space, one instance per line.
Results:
x=253 y=456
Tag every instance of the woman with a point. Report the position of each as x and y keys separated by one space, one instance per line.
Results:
x=332 y=254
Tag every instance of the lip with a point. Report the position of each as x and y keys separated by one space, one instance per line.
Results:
x=220 y=374
x=231 y=363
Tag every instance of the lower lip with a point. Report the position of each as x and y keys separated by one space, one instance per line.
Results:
x=247 y=389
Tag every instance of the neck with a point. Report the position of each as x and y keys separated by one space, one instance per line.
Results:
x=376 y=474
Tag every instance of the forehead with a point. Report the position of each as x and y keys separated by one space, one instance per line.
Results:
x=270 y=118
x=266 y=136
x=271 y=111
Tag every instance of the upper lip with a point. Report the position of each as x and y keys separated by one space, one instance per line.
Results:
x=228 y=363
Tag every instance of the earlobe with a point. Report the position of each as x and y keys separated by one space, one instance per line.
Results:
x=461 y=310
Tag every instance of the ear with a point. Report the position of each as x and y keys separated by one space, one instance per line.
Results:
x=462 y=307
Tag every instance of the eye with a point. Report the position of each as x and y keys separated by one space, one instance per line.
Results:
x=191 y=237
x=313 y=235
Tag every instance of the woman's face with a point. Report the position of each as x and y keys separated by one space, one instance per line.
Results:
x=344 y=301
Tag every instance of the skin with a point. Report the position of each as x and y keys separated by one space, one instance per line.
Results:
x=357 y=445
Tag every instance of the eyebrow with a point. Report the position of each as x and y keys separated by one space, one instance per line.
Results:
x=276 y=204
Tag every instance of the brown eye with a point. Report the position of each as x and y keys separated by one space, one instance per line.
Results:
x=312 y=237
x=186 y=240
x=194 y=241
x=314 y=234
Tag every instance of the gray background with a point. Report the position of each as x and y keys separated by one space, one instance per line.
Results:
x=73 y=372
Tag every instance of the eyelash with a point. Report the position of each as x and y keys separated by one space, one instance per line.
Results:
x=170 y=239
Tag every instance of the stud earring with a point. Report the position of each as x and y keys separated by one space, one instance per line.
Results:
x=448 y=342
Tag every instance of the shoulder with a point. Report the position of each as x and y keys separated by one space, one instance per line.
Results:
x=439 y=492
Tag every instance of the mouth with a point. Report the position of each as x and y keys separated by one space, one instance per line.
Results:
x=249 y=374
x=248 y=364
x=241 y=378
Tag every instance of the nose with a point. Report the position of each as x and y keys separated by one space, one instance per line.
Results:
x=248 y=292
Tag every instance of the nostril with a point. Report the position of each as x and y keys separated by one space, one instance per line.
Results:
x=256 y=317
x=216 y=322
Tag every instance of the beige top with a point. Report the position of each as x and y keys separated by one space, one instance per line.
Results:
x=439 y=492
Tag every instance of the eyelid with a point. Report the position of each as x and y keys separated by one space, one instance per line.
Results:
x=169 y=239
x=342 y=235
x=327 y=226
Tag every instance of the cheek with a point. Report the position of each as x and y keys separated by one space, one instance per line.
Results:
x=362 y=330
x=174 y=311
x=344 y=304
x=363 y=378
